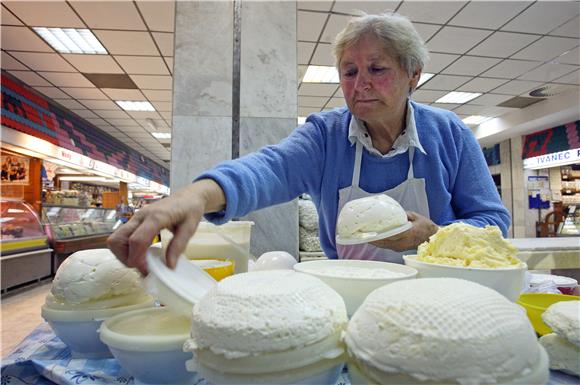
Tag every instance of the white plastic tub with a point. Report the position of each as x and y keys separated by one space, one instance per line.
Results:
x=354 y=290
x=508 y=281
x=148 y=344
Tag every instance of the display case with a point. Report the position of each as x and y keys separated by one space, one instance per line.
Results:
x=25 y=255
x=71 y=229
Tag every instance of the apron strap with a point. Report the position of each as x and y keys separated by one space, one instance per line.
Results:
x=410 y=174
x=357 y=163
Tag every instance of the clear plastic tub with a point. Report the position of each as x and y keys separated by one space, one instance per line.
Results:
x=207 y=243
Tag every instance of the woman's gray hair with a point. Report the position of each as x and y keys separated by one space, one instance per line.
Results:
x=397 y=33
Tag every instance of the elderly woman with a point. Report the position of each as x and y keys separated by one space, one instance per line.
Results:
x=423 y=157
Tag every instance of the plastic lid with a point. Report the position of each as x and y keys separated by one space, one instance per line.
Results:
x=179 y=289
x=373 y=236
x=538 y=279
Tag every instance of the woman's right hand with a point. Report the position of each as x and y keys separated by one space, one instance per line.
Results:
x=180 y=213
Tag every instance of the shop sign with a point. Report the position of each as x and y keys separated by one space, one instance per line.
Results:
x=125 y=175
x=143 y=181
x=552 y=160
x=104 y=168
x=69 y=156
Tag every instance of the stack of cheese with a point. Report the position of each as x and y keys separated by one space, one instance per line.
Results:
x=563 y=346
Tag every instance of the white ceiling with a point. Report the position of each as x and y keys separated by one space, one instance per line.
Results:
x=500 y=48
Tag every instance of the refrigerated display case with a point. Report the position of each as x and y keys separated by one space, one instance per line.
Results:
x=25 y=255
x=71 y=228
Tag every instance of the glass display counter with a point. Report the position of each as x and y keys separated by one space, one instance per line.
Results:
x=71 y=228
x=25 y=255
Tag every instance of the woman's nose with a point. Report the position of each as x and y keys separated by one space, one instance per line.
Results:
x=362 y=82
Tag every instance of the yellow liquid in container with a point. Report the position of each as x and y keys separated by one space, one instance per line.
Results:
x=217 y=268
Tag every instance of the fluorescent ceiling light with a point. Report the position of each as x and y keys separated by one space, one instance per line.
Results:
x=476 y=119
x=424 y=77
x=301 y=119
x=88 y=179
x=71 y=40
x=458 y=97
x=128 y=105
x=161 y=135
x=321 y=74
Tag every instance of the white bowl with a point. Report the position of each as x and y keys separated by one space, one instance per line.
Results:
x=508 y=281
x=78 y=329
x=354 y=290
x=148 y=343
x=539 y=375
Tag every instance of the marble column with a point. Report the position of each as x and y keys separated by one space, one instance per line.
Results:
x=204 y=92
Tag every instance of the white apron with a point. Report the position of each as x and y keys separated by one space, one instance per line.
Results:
x=410 y=194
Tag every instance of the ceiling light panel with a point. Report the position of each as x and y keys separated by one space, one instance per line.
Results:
x=321 y=74
x=71 y=40
x=424 y=77
x=475 y=119
x=128 y=105
x=161 y=135
x=458 y=97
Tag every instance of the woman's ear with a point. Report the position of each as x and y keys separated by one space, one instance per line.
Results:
x=414 y=81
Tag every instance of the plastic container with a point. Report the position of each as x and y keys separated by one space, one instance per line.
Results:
x=216 y=268
x=78 y=329
x=206 y=243
x=148 y=344
x=535 y=305
x=507 y=281
x=566 y=285
x=539 y=375
x=354 y=290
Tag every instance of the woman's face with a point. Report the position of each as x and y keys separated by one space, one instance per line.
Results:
x=373 y=83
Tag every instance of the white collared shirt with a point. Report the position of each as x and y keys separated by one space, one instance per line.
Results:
x=357 y=130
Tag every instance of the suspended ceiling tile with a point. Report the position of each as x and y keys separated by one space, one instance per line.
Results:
x=127 y=42
x=470 y=65
x=543 y=16
x=546 y=48
x=85 y=93
x=336 y=102
x=317 y=89
x=45 y=13
x=335 y=24
x=169 y=62
x=424 y=11
x=109 y=14
x=30 y=78
x=158 y=95
x=22 y=39
x=490 y=99
x=572 y=78
x=133 y=129
x=503 y=44
x=469 y=109
x=71 y=104
x=43 y=61
x=481 y=85
x=164 y=42
x=120 y=94
x=95 y=120
x=370 y=7
x=456 y=39
x=301 y=72
x=99 y=104
x=305 y=111
x=496 y=111
x=8 y=18
x=86 y=114
x=438 y=61
x=511 y=69
x=570 y=29
x=314 y=5
x=9 y=63
x=66 y=79
x=142 y=65
x=338 y=93
x=312 y=101
x=309 y=25
x=516 y=87
x=121 y=122
x=162 y=106
x=571 y=57
x=426 y=31
x=159 y=15
x=166 y=115
x=548 y=72
x=323 y=55
x=427 y=96
x=446 y=106
x=445 y=82
x=160 y=124
x=483 y=15
x=305 y=50
x=138 y=115
x=94 y=64
x=150 y=82
x=113 y=114
x=52 y=92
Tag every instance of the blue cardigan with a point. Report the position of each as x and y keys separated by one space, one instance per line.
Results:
x=318 y=159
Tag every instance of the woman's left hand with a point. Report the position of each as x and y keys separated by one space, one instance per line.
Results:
x=422 y=229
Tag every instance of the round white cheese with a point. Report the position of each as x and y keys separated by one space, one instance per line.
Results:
x=564 y=319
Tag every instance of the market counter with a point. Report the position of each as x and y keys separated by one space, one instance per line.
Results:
x=42 y=359
x=549 y=253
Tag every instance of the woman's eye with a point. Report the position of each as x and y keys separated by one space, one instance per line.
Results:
x=349 y=73
x=377 y=70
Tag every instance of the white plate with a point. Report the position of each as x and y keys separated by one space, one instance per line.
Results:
x=373 y=236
